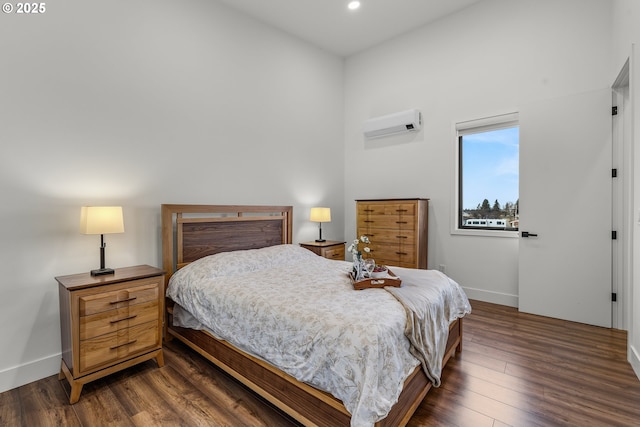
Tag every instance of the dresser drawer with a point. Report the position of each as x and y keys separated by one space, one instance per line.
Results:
x=393 y=254
x=138 y=292
x=108 y=348
x=372 y=222
x=113 y=320
x=387 y=209
x=381 y=235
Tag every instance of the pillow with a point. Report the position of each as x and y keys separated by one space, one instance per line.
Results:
x=246 y=261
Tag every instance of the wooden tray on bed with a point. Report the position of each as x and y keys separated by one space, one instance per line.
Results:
x=381 y=282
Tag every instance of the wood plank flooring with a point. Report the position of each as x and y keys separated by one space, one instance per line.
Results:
x=515 y=370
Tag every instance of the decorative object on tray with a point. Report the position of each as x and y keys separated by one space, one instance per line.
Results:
x=365 y=273
x=379 y=271
x=358 y=264
x=369 y=266
x=386 y=278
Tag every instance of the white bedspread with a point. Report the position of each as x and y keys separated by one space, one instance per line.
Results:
x=299 y=312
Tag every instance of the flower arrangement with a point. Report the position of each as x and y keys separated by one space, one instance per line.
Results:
x=355 y=250
x=358 y=264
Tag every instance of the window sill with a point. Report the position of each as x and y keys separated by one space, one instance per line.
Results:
x=485 y=233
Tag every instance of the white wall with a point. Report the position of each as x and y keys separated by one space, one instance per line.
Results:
x=138 y=104
x=488 y=59
x=626 y=42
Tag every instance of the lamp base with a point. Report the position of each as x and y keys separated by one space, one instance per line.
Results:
x=102 y=271
x=320 y=240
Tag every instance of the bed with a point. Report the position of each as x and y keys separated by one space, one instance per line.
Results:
x=191 y=234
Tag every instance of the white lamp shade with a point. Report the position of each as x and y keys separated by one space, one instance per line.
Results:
x=101 y=220
x=320 y=215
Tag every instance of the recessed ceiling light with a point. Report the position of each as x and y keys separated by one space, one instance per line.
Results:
x=354 y=5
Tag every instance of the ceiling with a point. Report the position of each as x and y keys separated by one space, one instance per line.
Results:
x=330 y=25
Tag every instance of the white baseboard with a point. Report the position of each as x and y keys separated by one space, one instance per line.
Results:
x=634 y=360
x=28 y=372
x=493 y=297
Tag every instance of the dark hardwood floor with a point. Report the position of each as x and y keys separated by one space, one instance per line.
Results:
x=515 y=370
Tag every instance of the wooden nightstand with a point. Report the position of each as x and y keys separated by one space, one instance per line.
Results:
x=330 y=249
x=109 y=323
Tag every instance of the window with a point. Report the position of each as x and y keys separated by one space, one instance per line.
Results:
x=487 y=174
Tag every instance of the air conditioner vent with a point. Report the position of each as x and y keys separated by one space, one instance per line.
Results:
x=404 y=121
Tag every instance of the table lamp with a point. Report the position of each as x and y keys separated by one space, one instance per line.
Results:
x=320 y=215
x=101 y=220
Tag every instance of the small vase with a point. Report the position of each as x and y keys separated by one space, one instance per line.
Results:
x=358 y=266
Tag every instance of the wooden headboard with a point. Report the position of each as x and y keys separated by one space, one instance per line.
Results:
x=190 y=232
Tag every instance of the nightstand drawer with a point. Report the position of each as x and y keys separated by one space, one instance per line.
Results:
x=114 y=346
x=113 y=320
x=334 y=253
x=141 y=291
x=330 y=249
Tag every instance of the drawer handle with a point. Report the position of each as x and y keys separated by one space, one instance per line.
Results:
x=402 y=237
x=122 y=345
x=401 y=222
x=123 y=300
x=124 y=318
x=368 y=210
x=401 y=253
x=402 y=210
x=368 y=221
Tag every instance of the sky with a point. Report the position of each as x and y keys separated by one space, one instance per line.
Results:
x=490 y=167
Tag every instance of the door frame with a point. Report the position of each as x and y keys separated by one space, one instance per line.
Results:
x=622 y=198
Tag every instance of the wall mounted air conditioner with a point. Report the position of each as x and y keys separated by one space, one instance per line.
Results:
x=404 y=121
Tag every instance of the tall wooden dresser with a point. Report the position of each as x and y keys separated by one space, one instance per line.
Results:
x=397 y=229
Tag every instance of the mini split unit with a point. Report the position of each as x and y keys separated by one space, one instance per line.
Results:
x=404 y=121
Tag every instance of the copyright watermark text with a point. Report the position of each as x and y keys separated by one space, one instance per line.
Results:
x=26 y=8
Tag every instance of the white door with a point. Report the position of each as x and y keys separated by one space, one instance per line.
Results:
x=565 y=201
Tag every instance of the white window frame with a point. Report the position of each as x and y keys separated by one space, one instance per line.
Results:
x=461 y=128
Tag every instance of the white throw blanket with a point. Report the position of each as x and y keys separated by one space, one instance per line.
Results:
x=430 y=310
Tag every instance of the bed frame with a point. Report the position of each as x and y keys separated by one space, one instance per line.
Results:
x=190 y=232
